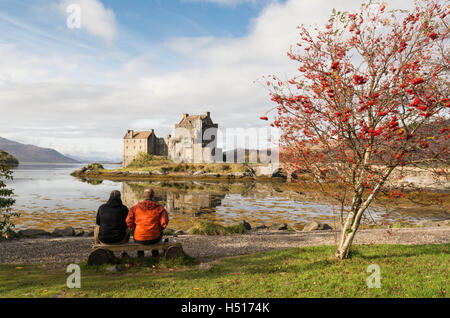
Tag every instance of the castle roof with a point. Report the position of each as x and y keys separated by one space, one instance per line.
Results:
x=188 y=121
x=138 y=134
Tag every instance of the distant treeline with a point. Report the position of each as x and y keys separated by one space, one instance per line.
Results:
x=8 y=159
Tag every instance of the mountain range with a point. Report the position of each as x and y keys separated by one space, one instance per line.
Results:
x=31 y=153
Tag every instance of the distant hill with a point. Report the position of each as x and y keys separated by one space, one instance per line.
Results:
x=8 y=159
x=30 y=153
x=95 y=157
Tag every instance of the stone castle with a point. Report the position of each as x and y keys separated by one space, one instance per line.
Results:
x=195 y=140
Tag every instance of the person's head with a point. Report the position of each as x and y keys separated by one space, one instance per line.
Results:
x=115 y=196
x=148 y=194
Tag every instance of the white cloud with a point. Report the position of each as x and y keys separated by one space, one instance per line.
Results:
x=89 y=101
x=230 y=3
x=95 y=18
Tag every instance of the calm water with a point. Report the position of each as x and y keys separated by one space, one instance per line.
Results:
x=48 y=197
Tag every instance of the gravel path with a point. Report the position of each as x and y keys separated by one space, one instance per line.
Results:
x=76 y=249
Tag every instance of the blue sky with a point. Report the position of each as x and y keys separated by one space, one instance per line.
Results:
x=139 y=24
x=139 y=65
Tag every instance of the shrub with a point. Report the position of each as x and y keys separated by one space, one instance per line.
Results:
x=6 y=202
x=207 y=227
x=95 y=166
x=8 y=159
x=142 y=160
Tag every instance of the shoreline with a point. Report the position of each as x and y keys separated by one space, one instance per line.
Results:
x=415 y=179
x=208 y=248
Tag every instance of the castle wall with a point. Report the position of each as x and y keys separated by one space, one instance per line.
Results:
x=195 y=140
x=131 y=147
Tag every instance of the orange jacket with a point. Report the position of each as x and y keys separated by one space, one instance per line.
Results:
x=147 y=219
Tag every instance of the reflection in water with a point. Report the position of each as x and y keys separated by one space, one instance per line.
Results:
x=255 y=202
x=183 y=201
x=175 y=201
x=48 y=197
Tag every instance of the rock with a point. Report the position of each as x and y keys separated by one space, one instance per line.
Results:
x=198 y=173
x=68 y=231
x=279 y=173
x=79 y=233
x=298 y=226
x=179 y=232
x=260 y=227
x=316 y=226
x=79 y=171
x=112 y=269
x=246 y=225
x=213 y=174
x=428 y=223
x=278 y=226
x=250 y=172
x=88 y=234
x=159 y=172
x=33 y=233
x=140 y=173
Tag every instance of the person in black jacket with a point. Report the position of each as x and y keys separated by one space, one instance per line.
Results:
x=111 y=226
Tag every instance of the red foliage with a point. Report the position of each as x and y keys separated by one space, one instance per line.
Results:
x=352 y=123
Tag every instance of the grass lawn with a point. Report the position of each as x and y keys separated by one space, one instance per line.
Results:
x=406 y=271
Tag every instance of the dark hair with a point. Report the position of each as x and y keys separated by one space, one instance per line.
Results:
x=115 y=197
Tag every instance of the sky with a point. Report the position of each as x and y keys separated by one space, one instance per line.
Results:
x=139 y=65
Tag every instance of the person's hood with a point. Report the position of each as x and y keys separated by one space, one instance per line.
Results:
x=114 y=203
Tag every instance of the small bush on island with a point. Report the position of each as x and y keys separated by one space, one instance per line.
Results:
x=95 y=166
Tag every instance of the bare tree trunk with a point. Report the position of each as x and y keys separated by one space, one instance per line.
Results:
x=347 y=236
x=354 y=218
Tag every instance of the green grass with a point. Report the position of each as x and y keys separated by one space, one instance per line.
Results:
x=144 y=160
x=406 y=271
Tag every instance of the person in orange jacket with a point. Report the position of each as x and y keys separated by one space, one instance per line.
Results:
x=148 y=220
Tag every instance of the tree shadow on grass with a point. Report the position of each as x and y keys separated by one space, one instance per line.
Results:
x=304 y=260
x=394 y=252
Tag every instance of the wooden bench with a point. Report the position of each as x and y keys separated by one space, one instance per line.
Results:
x=104 y=253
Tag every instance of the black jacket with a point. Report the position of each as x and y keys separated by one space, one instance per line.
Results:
x=111 y=219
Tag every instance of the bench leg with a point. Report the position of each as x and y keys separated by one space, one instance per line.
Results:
x=101 y=256
x=174 y=252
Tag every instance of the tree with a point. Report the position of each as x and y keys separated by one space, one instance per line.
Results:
x=371 y=100
x=6 y=200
